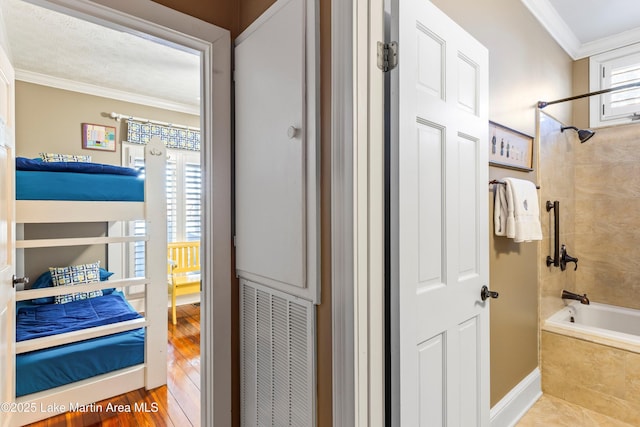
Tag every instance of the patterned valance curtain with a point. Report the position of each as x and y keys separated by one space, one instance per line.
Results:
x=173 y=137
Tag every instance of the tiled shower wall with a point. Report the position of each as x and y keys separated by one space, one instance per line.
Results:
x=607 y=191
x=556 y=178
x=598 y=186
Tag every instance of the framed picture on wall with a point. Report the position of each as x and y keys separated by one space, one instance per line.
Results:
x=98 y=137
x=509 y=148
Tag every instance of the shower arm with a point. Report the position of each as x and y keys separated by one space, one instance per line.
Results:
x=542 y=104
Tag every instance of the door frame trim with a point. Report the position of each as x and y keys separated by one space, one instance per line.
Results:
x=357 y=212
x=342 y=260
x=213 y=44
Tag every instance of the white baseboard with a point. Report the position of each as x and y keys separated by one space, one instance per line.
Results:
x=518 y=401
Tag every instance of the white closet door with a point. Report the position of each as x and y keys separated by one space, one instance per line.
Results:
x=276 y=182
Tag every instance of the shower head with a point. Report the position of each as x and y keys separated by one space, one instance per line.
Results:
x=583 y=134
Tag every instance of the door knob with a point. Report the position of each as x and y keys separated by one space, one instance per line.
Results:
x=15 y=280
x=292 y=131
x=486 y=293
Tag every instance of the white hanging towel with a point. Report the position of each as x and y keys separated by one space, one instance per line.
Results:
x=517 y=212
x=500 y=210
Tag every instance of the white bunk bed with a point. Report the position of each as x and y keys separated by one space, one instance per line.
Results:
x=153 y=372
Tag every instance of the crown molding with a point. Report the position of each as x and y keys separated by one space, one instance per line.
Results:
x=546 y=14
x=609 y=43
x=90 y=89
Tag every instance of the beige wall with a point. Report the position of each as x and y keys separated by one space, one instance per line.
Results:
x=513 y=332
x=581 y=86
x=250 y=10
x=525 y=66
x=49 y=119
x=38 y=260
x=223 y=13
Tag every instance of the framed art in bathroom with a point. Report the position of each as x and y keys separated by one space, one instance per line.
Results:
x=509 y=148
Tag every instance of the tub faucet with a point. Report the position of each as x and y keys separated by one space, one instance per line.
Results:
x=570 y=295
x=565 y=258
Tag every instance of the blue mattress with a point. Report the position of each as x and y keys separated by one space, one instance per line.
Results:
x=53 y=367
x=40 y=185
x=56 y=366
x=24 y=164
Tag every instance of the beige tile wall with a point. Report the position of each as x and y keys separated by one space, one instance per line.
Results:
x=598 y=186
x=556 y=171
x=594 y=376
x=607 y=182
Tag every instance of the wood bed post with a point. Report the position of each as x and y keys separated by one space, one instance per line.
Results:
x=156 y=293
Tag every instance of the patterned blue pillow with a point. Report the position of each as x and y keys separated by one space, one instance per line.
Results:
x=44 y=281
x=75 y=275
x=56 y=157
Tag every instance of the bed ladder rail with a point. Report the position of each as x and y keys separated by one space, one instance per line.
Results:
x=81 y=335
x=29 y=294
x=76 y=241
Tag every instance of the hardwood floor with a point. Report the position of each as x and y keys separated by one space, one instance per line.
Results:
x=177 y=403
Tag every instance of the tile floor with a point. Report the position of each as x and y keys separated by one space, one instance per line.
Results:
x=550 y=411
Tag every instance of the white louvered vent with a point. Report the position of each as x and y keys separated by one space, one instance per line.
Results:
x=277 y=362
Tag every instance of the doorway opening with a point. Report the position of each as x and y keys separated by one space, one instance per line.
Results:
x=211 y=45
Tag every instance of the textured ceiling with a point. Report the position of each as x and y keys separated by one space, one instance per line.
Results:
x=53 y=44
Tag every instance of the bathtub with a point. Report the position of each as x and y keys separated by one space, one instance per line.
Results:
x=600 y=323
x=593 y=361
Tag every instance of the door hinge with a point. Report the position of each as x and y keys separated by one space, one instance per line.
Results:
x=234 y=241
x=387 y=56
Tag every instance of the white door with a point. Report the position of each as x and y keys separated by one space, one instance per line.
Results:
x=439 y=221
x=7 y=236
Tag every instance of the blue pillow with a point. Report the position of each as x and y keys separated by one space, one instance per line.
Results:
x=104 y=275
x=45 y=281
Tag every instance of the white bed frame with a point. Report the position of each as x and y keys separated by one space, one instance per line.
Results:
x=153 y=372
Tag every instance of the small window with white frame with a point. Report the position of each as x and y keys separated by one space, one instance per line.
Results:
x=616 y=68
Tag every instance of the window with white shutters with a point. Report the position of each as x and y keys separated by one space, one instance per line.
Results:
x=183 y=192
x=172 y=198
x=192 y=196
x=620 y=67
